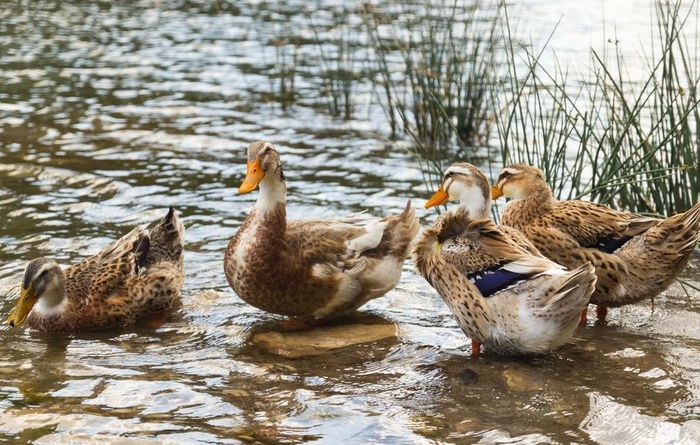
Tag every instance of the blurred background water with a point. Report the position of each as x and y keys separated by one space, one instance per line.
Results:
x=110 y=111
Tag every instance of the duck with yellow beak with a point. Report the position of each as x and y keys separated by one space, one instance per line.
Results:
x=314 y=269
x=137 y=277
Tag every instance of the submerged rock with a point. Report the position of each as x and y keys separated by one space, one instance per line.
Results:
x=322 y=340
x=521 y=380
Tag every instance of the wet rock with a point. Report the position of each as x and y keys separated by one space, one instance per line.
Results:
x=521 y=380
x=238 y=393
x=468 y=376
x=322 y=340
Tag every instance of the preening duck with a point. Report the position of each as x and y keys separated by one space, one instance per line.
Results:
x=509 y=300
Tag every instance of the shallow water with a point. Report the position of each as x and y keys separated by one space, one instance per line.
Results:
x=111 y=111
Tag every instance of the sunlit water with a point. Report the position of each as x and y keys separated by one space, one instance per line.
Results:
x=112 y=111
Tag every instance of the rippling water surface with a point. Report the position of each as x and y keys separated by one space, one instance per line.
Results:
x=110 y=111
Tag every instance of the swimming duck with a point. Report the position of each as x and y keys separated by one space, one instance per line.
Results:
x=138 y=276
x=510 y=300
x=635 y=256
x=315 y=269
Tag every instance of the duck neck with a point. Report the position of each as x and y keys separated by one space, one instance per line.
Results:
x=478 y=208
x=540 y=197
x=542 y=193
x=269 y=216
x=273 y=193
x=522 y=210
x=53 y=301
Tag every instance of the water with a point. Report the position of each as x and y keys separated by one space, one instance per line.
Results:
x=111 y=111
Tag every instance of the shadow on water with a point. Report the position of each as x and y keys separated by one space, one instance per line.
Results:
x=112 y=111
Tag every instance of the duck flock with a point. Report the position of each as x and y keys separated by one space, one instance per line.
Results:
x=521 y=287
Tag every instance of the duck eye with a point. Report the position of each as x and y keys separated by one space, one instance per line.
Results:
x=449 y=175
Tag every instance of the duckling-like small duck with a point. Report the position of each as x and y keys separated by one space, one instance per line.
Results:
x=139 y=276
x=511 y=301
x=310 y=268
x=635 y=256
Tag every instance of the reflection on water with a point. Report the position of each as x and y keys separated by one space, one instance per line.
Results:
x=111 y=111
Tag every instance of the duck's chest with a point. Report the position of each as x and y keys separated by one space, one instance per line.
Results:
x=256 y=245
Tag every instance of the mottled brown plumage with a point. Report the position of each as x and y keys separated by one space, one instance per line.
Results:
x=467 y=184
x=635 y=256
x=502 y=296
x=310 y=268
x=137 y=276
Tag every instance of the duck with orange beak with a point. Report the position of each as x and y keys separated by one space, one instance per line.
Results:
x=311 y=269
x=502 y=291
x=136 y=278
x=635 y=256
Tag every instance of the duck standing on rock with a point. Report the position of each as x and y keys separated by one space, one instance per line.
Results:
x=316 y=269
x=137 y=278
x=635 y=256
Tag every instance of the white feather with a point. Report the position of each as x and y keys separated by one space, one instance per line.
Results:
x=369 y=240
x=471 y=198
x=272 y=192
x=531 y=264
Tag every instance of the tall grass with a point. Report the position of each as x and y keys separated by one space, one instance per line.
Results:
x=447 y=73
x=339 y=57
x=630 y=144
x=434 y=65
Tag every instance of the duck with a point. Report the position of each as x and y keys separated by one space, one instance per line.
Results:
x=310 y=269
x=136 y=278
x=635 y=256
x=466 y=183
x=503 y=297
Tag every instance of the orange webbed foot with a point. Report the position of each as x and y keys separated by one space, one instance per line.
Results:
x=476 y=348
x=584 y=317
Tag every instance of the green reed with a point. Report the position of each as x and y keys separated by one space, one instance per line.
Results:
x=339 y=57
x=447 y=73
x=433 y=68
x=630 y=144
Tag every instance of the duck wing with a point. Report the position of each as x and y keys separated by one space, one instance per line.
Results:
x=591 y=225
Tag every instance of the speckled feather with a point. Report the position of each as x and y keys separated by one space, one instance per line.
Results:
x=107 y=289
x=533 y=315
x=305 y=268
x=570 y=233
x=467 y=184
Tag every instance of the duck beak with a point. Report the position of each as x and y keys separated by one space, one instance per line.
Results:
x=496 y=192
x=27 y=298
x=254 y=175
x=440 y=197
